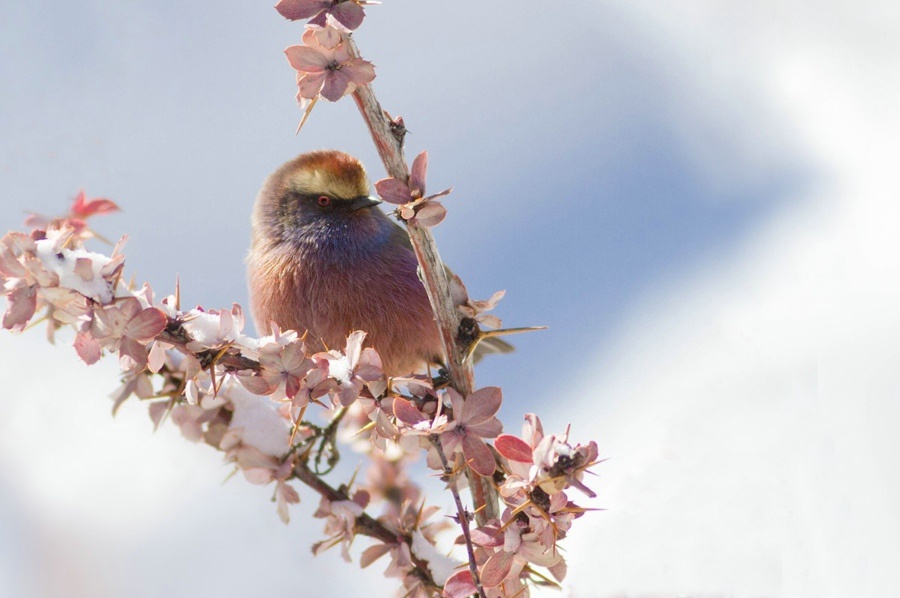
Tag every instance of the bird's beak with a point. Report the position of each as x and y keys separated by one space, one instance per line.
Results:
x=358 y=203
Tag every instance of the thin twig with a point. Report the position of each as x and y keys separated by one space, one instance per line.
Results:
x=366 y=525
x=461 y=514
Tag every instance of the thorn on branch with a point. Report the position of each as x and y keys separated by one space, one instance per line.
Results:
x=398 y=128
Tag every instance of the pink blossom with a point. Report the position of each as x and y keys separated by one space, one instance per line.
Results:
x=474 y=419
x=22 y=303
x=134 y=382
x=330 y=71
x=387 y=480
x=563 y=465
x=127 y=327
x=75 y=220
x=190 y=420
x=340 y=522
x=260 y=468
x=24 y=275
x=418 y=422
x=548 y=462
x=284 y=372
x=521 y=546
x=349 y=14
x=350 y=371
x=472 y=308
x=84 y=208
x=414 y=206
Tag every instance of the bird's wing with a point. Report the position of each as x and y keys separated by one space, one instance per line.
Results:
x=487 y=346
x=400 y=237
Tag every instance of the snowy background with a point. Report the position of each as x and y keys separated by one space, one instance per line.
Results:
x=698 y=197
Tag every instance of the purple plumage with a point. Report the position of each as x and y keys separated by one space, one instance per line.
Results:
x=325 y=260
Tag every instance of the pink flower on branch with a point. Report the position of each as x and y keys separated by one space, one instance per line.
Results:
x=41 y=271
x=473 y=308
x=126 y=327
x=340 y=522
x=348 y=14
x=522 y=546
x=473 y=420
x=348 y=372
x=84 y=208
x=283 y=371
x=325 y=69
x=212 y=375
x=76 y=220
x=415 y=207
x=545 y=462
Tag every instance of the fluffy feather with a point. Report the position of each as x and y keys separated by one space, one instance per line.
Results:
x=331 y=269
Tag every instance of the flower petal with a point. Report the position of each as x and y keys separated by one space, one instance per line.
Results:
x=490 y=321
x=359 y=71
x=336 y=83
x=327 y=37
x=157 y=357
x=132 y=354
x=460 y=585
x=22 y=303
x=490 y=428
x=309 y=86
x=478 y=456
x=354 y=347
x=349 y=14
x=559 y=570
x=496 y=569
x=417 y=173
x=489 y=536
x=306 y=59
x=87 y=347
x=255 y=384
x=372 y=554
x=431 y=214
x=147 y=324
x=513 y=448
x=393 y=191
x=300 y=9
x=84 y=209
x=482 y=405
x=405 y=412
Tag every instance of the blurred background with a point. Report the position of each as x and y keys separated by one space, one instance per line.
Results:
x=699 y=198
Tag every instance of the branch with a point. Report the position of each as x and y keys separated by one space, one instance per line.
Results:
x=434 y=277
x=365 y=523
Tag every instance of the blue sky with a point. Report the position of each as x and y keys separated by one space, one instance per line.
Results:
x=653 y=181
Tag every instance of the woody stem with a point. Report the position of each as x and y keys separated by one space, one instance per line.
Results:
x=434 y=277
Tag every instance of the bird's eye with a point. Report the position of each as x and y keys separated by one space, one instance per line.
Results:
x=324 y=201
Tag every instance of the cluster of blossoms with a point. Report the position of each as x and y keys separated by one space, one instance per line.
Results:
x=326 y=62
x=247 y=397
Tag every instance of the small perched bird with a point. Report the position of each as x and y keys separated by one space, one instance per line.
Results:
x=326 y=261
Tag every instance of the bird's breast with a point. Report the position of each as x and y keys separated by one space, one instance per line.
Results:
x=328 y=292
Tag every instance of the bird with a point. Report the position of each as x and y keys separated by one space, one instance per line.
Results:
x=324 y=260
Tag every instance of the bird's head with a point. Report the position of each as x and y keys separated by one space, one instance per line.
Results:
x=315 y=194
